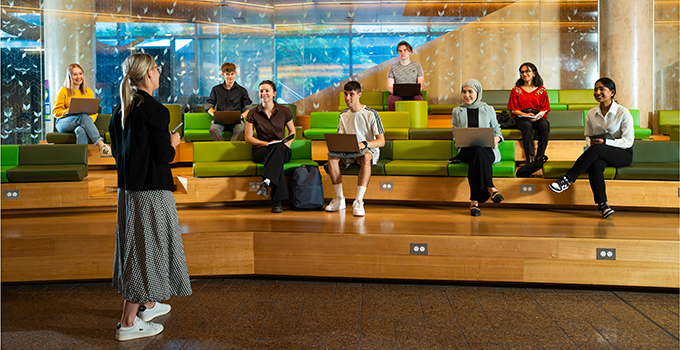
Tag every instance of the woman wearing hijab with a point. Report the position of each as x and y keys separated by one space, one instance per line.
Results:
x=473 y=113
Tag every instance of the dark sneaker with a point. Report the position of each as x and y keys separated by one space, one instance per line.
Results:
x=263 y=190
x=560 y=185
x=497 y=197
x=474 y=211
x=277 y=207
x=605 y=210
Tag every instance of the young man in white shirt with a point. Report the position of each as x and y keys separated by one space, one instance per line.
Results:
x=364 y=122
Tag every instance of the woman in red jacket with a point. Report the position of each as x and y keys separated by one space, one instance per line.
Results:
x=530 y=106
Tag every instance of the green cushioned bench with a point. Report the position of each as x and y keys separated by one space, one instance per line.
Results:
x=419 y=158
x=377 y=169
x=102 y=124
x=48 y=163
x=653 y=160
x=577 y=99
x=566 y=125
x=554 y=169
x=431 y=134
x=504 y=168
x=197 y=127
x=227 y=158
x=554 y=99
x=9 y=157
x=498 y=99
x=395 y=124
x=640 y=133
x=373 y=99
x=668 y=120
x=442 y=109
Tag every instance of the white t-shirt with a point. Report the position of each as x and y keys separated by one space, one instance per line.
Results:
x=365 y=124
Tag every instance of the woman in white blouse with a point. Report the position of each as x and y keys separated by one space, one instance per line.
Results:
x=609 y=136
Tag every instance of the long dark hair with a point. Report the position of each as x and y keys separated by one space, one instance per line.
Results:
x=608 y=83
x=537 y=80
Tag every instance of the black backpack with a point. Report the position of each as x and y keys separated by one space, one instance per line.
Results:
x=306 y=189
x=505 y=121
x=530 y=168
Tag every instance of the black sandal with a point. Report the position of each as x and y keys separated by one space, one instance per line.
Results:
x=497 y=197
x=474 y=211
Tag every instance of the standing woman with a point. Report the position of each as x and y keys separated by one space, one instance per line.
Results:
x=609 y=137
x=270 y=119
x=404 y=72
x=81 y=124
x=527 y=99
x=149 y=264
x=473 y=113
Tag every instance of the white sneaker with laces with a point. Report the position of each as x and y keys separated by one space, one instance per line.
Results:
x=338 y=203
x=358 y=208
x=105 y=151
x=149 y=314
x=139 y=329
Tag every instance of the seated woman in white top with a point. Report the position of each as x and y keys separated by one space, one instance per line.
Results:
x=404 y=72
x=609 y=136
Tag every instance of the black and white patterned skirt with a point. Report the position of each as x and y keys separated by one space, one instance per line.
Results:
x=149 y=263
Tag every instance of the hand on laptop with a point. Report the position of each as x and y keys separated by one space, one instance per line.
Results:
x=211 y=112
x=496 y=140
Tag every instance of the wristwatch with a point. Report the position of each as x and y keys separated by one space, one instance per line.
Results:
x=365 y=143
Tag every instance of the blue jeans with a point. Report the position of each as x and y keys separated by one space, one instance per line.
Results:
x=82 y=125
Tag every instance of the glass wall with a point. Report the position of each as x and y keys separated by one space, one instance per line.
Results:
x=310 y=47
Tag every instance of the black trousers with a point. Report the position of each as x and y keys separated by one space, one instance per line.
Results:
x=542 y=127
x=595 y=159
x=480 y=174
x=273 y=157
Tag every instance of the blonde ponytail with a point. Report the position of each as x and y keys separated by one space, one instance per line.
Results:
x=135 y=69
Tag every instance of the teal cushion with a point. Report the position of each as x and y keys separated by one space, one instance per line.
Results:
x=396 y=133
x=47 y=173
x=417 y=167
x=225 y=168
x=649 y=171
x=222 y=151
x=430 y=134
x=319 y=133
x=289 y=167
x=324 y=120
x=421 y=150
x=505 y=168
x=555 y=169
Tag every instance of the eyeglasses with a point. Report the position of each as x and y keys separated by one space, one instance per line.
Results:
x=526 y=71
x=158 y=68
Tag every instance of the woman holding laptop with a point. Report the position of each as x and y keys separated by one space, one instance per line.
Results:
x=530 y=106
x=473 y=113
x=404 y=72
x=80 y=124
x=270 y=120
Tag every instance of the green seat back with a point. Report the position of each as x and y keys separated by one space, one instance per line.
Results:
x=421 y=149
x=573 y=119
x=575 y=96
x=669 y=117
x=369 y=98
x=324 y=120
x=496 y=97
x=293 y=110
x=636 y=117
x=507 y=149
x=395 y=119
x=102 y=122
x=386 y=151
x=656 y=152
x=217 y=151
x=553 y=96
x=52 y=154
x=9 y=155
x=197 y=121
x=301 y=149
x=175 y=114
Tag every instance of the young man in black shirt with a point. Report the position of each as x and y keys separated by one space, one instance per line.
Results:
x=229 y=96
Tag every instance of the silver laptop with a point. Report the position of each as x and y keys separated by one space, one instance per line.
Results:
x=468 y=137
x=227 y=117
x=83 y=105
x=342 y=143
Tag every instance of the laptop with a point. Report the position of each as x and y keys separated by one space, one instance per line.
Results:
x=406 y=90
x=342 y=143
x=227 y=117
x=83 y=105
x=468 y=137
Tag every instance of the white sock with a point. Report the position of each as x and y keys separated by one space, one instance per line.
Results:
x=361 y=190
x=266 y=181
x=338 y=191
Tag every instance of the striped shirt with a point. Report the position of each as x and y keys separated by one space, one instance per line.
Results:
x=407 y=74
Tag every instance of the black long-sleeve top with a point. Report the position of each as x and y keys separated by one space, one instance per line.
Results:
x=142 y=149
x=234 y=99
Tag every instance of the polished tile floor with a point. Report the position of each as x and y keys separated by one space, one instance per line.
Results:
x=304 y=314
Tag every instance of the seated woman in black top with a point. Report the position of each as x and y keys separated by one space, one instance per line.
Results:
x=474 y=113
x=270 y=119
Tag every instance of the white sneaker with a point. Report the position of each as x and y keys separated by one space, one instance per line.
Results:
x=139 y=329
x=338 y=203
x=358 y=208
x=105 y=151
x=149 y=314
